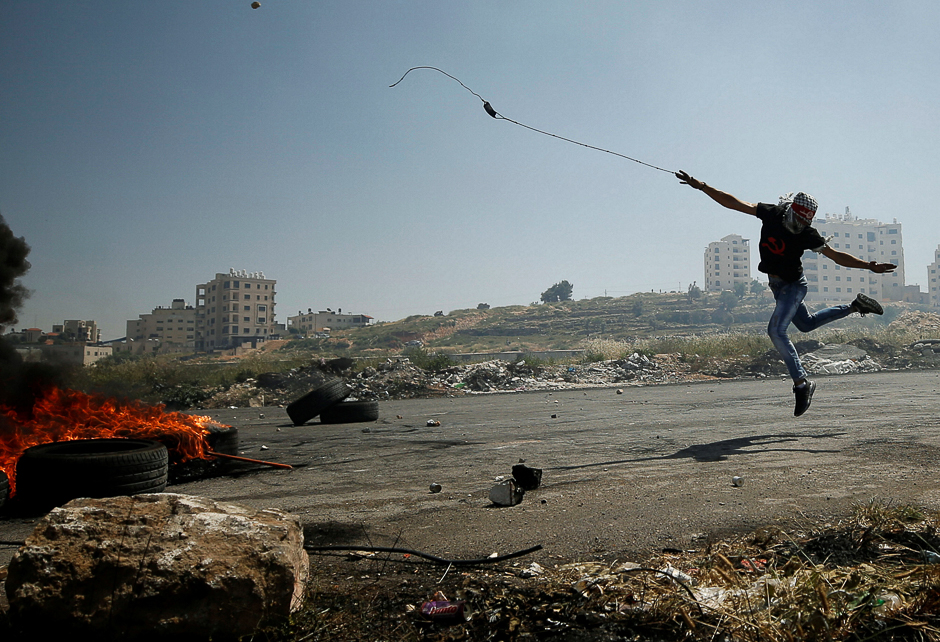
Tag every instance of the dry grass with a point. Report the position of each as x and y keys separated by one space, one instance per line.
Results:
x=873 y=576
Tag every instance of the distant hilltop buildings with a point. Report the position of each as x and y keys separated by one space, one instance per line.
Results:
x=728 y=262
x=232 y=311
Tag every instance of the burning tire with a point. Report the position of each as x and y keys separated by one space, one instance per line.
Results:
x=347 y=412
x=4 y=488
x=52 y=474
x=316 y=401
x=223 y=440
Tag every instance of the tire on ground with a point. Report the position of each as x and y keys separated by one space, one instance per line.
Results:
x=220 y=439
x=347 y=412
x=223 y=439
x=317 y=400
x=4 y=488
x=52 y=474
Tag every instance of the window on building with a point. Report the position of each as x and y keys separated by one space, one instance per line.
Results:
x=234 y=284
x=227 y=285
x=893 y=231
x=247 y=297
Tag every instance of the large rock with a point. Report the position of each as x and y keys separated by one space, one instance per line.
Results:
x=153 y=566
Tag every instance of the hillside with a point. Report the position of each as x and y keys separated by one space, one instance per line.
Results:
x=570 y=324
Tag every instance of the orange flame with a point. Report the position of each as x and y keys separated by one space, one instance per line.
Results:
x=65 y=415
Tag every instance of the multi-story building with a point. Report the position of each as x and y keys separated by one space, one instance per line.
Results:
x=233 y=309
x=78 y=353
x=326 y=320
x=933 y=279
x=727 y=262
x=173 y=327
x=869 y=240
x=75 y=330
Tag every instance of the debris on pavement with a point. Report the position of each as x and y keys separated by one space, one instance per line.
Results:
x=506 y=493
x=527 y=478
x=862 y=578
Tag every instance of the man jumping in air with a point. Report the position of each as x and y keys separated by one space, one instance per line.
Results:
x=786 y=232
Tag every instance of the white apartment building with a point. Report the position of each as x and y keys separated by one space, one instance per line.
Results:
x=79 y=353
x=172 y=327
x=933 y=279
x=77 y=330
x=867 y=239
x=233 y=309
x=727 y=262
x=326 y=320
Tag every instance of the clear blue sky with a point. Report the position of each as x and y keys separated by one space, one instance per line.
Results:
x=146 y=146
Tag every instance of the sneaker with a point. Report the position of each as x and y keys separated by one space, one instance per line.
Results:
x=865 y=304
x=804 y=397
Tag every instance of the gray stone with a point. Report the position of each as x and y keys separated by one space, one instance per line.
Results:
x=153 y=566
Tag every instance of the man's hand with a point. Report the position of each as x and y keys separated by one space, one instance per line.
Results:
x=881 y=268
x=685 y=179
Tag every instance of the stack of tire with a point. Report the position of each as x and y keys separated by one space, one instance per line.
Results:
x=4 y=488
x=52 y=474
x=328 y=401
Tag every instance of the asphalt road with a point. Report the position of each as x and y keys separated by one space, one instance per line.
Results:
x=624 y=474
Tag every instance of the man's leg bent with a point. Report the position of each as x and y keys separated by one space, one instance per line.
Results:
x=789 y=298
x=806 y=322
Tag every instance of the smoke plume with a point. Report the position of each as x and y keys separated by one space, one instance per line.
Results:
x=20 y=383
x=13 y=265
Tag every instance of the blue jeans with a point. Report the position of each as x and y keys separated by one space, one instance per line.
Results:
x=790 y=308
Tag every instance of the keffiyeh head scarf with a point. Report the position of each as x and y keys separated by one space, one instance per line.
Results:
x=800 y=210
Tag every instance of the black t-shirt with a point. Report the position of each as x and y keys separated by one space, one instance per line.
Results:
x=781 y=250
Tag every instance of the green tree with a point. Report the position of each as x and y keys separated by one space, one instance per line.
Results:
x=561 y=291
x=740 y=289
x=727 y=300
x=757 y=287
x=695 y=292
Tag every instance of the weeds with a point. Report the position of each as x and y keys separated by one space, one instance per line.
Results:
x=860 y=579
x=434 y=362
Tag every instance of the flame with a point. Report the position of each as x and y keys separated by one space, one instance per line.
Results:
x=65 y=415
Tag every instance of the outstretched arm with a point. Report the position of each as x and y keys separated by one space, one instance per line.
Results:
x=847 y=260
x=722 y=198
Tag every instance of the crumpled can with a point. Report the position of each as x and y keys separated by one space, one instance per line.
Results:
x=442 y=610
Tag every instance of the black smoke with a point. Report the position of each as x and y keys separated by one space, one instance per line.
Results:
x=20 y=383
x=13 y=265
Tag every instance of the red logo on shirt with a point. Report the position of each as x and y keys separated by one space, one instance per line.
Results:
x=774 y=246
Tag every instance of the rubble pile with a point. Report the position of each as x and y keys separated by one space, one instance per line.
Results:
x=401 y=378
x=916 y=320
